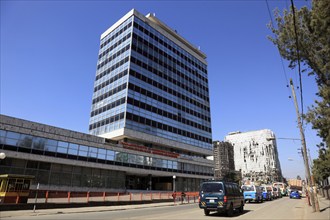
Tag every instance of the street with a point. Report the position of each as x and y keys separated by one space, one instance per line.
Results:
x=284 y=208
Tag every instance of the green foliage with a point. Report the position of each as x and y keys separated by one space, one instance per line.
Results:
x=313 y=34
x=321 y=165
x=313 y=30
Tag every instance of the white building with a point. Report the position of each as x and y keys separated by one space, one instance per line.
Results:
x=256 y=155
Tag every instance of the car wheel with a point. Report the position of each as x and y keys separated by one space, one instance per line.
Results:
x=241 y=209
x=206 y=212
x=230 y=211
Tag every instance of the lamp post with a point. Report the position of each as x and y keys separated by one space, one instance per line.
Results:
x=174 y=183
x=2 y=156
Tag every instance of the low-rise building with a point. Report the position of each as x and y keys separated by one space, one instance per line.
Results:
x=62 y=159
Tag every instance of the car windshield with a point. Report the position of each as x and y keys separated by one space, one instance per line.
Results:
x=212 y=187
x=248 y=188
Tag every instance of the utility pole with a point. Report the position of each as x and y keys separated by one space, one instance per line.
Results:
x=313 y=195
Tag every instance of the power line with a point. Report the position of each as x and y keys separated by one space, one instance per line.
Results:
x=272 y=23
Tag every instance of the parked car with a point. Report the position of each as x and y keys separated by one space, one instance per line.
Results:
x=295 y=195
x=276 y=193
x=220 y=196
x=252 y=193
x=266 y=193
x=271 y=190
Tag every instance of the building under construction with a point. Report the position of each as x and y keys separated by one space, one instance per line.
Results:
x=223 y=159
x=256 y=155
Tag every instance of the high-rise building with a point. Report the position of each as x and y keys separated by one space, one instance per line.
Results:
x=256 y=155
x=150 y=125
x=151 y=86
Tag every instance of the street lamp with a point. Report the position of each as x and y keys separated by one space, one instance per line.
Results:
x=174 y=183
x=2 y=156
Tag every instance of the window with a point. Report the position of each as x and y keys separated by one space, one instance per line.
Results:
x=51 y=145
x=25 y=141
x=2 y=133
x=83 y=150
x=73 y=149
x=102 y=154
x=13 y=135
x=39 y=143
x=212 y=187
x=110 y=155
x=93 y=152
x=62 y=149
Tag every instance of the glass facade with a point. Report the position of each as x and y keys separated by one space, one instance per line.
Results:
x=110 y=87
x=49 y=147
x=148 y=83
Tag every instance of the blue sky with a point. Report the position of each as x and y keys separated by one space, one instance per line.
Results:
x=49 y=53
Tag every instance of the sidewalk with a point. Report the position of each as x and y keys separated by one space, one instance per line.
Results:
x=6 y=214
x=324 y=210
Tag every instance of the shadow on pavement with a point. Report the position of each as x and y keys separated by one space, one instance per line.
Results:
x=236 y=213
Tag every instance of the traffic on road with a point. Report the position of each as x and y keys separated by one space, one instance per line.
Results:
x=226 y=197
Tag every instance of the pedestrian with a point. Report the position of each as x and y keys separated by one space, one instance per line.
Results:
x=183 y=196
x=174 y=195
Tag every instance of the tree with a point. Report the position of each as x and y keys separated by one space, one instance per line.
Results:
x=313 y=31
x=312 y=35
x=321 y=165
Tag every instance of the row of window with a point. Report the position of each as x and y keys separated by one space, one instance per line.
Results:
x=191 y=89
x=111 y=68
x=110 y=93
x=169 y=128
x=107 y=121
x=116 y=35
x=199 y=65
x=108 y=106
x=161 y=99
x=130 y=124
x=165 y=88
x=111 y=80
x=49 y=147
x=155 y=54
x=166 y=114
x=114 y=55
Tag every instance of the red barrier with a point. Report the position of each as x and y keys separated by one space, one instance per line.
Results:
x=48 y=196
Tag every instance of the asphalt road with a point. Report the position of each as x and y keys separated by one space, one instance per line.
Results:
x=283 y=208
